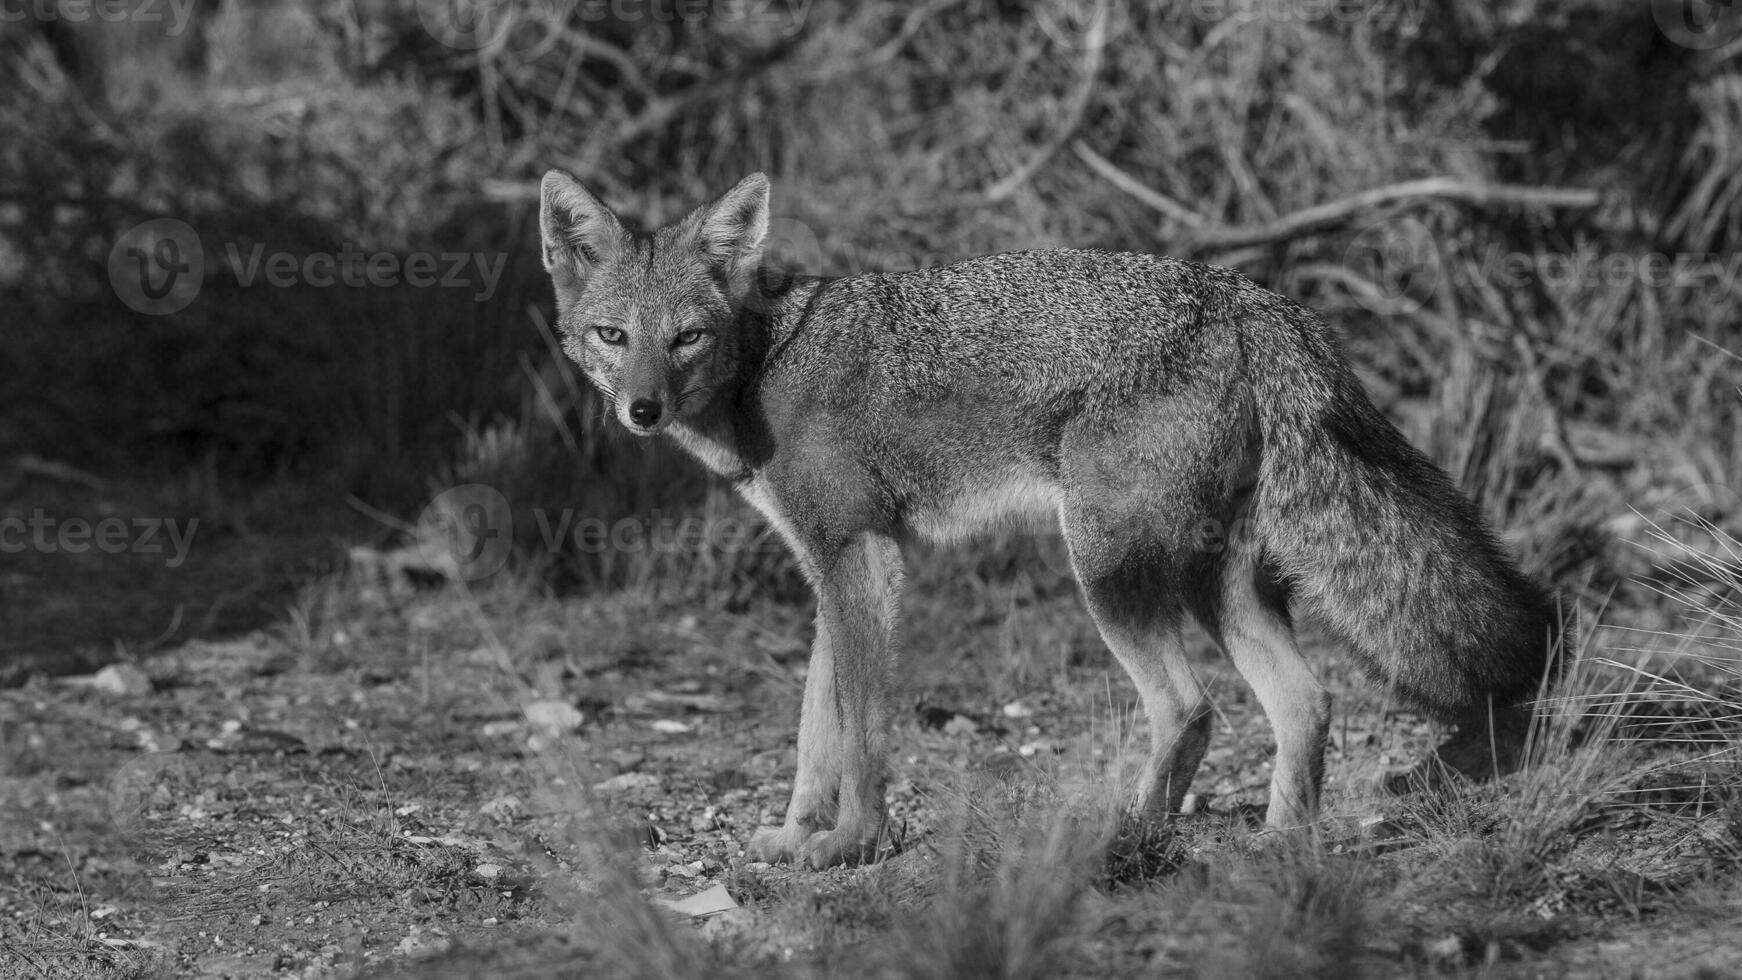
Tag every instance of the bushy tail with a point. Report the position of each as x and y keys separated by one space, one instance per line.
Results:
x=1376 y=538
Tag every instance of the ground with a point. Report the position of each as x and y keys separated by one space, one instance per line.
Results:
x=497 y=778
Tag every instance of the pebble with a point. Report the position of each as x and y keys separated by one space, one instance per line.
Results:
x=553 y=717
x=122 y=680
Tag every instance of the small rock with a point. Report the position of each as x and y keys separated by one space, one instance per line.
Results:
x=624 y=782
x=484 y=656
x=1388 y=948
x=488 y=872
x=712 y=900
x=669 y=726
x=421 y=941
x=504 y=809
x=150 y=741
x=426 y=618
x=960 y=725
x=553 y=717
x=726 y=924
x=498 y=729
x=1016 y=709
x=1449 y=950
x=122 y=680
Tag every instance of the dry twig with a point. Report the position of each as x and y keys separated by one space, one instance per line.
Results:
x=1094 y=44
x=1206 y=237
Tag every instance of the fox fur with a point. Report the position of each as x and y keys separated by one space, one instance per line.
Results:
x=1202 y=443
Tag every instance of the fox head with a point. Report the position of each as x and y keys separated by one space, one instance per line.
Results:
x=652 y=321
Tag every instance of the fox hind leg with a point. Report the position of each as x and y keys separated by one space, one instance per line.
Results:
x=1253 y=626
x=1135 y=605
x=1174 y=702
x=1142 y=481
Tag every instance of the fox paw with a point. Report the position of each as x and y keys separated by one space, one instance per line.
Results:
x=828 y=848
x=775 y=845
x=797 y=846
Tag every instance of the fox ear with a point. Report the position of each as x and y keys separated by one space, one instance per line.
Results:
x=578 y=231
x=730 y=231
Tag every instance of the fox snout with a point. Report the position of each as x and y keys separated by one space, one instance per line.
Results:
x=644 y=416
x=643 y=387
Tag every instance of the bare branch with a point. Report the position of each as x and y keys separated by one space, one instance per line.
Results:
x=1443 y=188
x=1094 y=44
x=1207 y=237
x=1130 y=185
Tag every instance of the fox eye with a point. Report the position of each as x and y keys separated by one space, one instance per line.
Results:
x=611 y=335
x=686 y=338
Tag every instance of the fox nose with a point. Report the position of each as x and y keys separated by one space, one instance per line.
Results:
x=644 y=412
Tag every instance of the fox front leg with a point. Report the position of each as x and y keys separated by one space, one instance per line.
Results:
x=816 y=788
x=843 y=734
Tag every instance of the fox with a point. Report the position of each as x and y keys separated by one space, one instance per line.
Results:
x=1145 y=404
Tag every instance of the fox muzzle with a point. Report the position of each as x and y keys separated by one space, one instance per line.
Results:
x=645 y=413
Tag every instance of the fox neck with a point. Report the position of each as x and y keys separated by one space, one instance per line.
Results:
x=729 y=434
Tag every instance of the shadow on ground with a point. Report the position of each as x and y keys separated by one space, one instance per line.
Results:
x=95 y=570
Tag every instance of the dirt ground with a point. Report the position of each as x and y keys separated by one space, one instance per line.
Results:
x=391 y=773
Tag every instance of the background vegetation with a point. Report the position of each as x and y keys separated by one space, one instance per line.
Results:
x=1552 y=314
